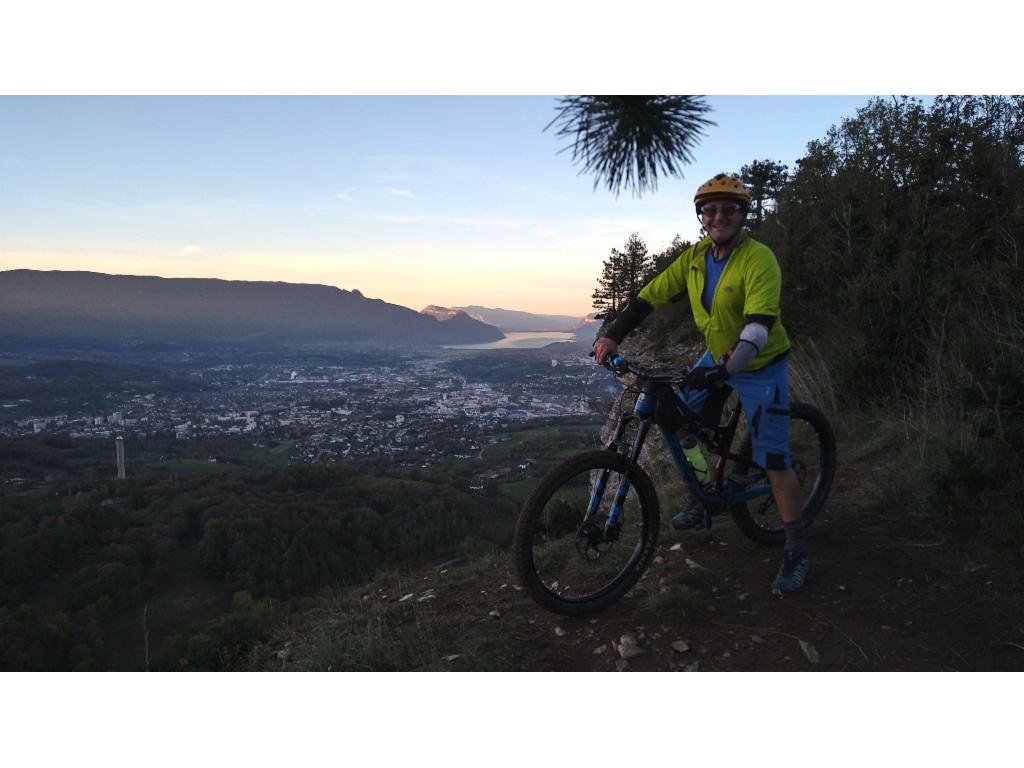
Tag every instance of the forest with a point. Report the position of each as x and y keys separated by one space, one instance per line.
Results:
x=190 y=562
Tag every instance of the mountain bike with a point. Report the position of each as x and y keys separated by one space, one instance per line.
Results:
x=589 y=529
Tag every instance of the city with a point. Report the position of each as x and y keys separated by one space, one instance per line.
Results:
x=415 y=410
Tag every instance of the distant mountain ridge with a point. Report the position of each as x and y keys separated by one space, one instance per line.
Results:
x=92 y=307
x=510 y=321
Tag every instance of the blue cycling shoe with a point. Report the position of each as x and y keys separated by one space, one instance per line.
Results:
x=795 y=570
x=691 y=517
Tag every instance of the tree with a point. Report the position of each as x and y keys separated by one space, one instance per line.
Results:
x=764 y=178
x=607 y=297
x=904 y=227
x=623 y=274
x=627 y=140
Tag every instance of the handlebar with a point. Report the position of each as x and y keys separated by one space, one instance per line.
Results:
x=620 y=366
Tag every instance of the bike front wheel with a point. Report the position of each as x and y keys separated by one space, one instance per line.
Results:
x=812 y=444
x=586 y=533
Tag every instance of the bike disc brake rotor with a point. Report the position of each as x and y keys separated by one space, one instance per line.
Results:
x=590 y=541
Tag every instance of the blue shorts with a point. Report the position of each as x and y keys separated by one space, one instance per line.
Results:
x=764 y=394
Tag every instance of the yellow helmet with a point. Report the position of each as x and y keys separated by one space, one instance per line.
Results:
x=722 y=187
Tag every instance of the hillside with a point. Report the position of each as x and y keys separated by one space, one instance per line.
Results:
x=127 y=310
x=886 y=595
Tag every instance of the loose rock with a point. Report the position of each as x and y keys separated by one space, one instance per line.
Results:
x=629 y=647
x=495 y=613
x=680 y=646
x=810 y=652
x=559 y=631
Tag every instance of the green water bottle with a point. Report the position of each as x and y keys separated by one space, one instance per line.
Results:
x=695 y=456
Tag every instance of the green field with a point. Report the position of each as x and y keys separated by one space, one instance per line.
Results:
x=544 y=443
x=271 y=457
x=518 y=490
x=198 y=467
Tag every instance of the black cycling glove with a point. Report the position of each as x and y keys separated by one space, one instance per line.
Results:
x=703 y=378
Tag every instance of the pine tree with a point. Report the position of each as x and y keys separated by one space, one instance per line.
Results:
x=764 y=178
x=627 y=140
x=623 y=274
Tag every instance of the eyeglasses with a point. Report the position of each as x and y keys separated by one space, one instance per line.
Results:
x=728 y=210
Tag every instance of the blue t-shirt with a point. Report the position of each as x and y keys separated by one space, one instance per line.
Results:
x=713 y=271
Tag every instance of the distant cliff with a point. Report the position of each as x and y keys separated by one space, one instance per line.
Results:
x=90 y=307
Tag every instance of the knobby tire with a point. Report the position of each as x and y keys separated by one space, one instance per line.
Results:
x=746 y=515
x=533 y=535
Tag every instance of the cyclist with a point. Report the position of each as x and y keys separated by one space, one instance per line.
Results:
x=733 y=283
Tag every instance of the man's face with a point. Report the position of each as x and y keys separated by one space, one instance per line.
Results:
x=722 y=219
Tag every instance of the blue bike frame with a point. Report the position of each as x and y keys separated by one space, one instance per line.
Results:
x=718 y=494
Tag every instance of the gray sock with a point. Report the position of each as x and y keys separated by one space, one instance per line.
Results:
x=796 y=538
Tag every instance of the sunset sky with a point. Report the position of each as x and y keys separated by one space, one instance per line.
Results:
x=414 y=200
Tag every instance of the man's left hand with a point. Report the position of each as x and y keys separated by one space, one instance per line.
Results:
x=704 y=378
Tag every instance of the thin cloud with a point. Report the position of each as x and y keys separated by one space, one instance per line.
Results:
x=346 y=194
x=400 y=192
x=191 y=250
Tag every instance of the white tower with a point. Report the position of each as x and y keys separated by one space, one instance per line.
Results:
x=120 y=457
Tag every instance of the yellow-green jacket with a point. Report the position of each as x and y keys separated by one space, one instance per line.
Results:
x=748 y=291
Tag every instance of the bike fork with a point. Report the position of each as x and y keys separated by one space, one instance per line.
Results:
x=622 y=491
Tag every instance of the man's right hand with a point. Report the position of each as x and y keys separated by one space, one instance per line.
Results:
x=604 y=347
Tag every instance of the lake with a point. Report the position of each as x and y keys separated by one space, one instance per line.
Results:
x=520 y=340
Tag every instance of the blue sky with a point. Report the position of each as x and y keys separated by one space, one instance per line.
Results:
x=415 y=200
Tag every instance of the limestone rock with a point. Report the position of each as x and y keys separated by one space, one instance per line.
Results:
x=629 y=647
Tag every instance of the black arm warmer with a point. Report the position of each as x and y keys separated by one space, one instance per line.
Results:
x=629 y=318
x=766 y=320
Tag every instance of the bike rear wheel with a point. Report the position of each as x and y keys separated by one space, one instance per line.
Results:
x=812 y=444
x=569 y=559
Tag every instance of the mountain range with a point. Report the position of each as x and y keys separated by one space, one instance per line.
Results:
x=128 y=310
x=511 y=321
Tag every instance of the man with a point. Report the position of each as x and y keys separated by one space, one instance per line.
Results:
x=733 y=284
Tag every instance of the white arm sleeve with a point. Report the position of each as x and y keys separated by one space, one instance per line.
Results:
x=753 y=337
